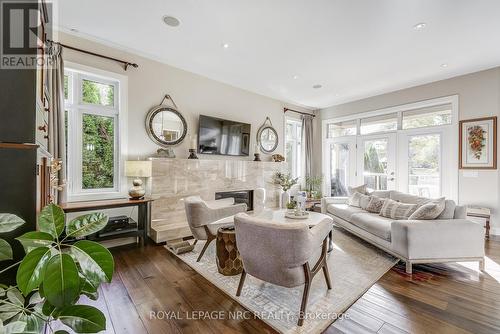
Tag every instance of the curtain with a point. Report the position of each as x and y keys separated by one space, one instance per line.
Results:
x=307 y=145
x=57 y=140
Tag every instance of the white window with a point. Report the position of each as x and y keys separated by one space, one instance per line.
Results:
x=424 y=117
x=294 y=146
x=93 y=125
x=340 y=129
x=382 y=123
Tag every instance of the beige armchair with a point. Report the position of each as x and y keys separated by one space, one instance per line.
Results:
x=201 y=216
x=288 y=255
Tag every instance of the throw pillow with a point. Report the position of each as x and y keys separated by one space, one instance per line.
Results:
x=364 y=201
x=430 y=210
x=354 y=200
x=396 y=210
x=375 y=204
x=359 y=189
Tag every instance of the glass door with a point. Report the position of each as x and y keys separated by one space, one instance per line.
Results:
x=342 y=165
x=377 y=161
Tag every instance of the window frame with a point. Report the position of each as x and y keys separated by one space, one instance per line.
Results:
x=76 y=109
x=296 y=145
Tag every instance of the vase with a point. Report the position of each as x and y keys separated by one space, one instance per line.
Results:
x=284 y=199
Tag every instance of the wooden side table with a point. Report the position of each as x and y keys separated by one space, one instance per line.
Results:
x=312 y=204
x=228 y=258
x=478 y=212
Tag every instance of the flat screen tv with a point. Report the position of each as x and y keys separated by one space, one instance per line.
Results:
x=223 y=137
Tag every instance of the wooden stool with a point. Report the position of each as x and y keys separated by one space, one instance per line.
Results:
x=228 y=258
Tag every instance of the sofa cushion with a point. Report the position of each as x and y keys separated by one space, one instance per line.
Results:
x=359 y=189
x=343 y=211
x=373 y=223
x=407 y=198
x=429 y=210
x=449 y=210
x=354 y=199
x=375 y=204
x=397 y=210
x=364 y=201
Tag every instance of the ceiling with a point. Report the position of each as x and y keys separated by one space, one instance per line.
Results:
x=282 y=48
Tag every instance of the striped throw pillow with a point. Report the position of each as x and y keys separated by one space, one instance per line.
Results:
x=396 y=210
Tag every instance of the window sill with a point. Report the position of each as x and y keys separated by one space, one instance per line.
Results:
x=96 y=196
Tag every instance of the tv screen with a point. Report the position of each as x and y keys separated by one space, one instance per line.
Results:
x=223 y=137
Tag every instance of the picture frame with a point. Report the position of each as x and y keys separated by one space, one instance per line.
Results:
x=478 y=143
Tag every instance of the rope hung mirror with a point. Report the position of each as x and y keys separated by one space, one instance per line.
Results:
x=165 y=125
x=267 y=137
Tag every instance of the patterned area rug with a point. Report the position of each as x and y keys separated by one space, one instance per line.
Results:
x=354 y=267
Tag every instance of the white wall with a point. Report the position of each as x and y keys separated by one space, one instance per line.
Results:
x=479 y=96
x=193 y=94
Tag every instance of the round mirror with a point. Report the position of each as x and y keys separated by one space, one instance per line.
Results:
x=268 y=139
x=166 y=126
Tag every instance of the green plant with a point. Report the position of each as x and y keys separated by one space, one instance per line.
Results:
x=313 y=185
x=54 y=273
x=291 y=205
x=285 y=180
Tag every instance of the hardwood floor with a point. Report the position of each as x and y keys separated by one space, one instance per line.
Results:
x=444 y=298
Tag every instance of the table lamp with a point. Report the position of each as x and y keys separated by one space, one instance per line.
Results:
x=137 y=169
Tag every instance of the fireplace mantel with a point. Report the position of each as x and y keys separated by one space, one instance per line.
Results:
x=175 y=179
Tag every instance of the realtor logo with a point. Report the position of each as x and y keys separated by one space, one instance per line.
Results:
x=24 y=24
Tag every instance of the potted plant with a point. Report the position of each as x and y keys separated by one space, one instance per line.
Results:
x=285 y=181
x=313 y=186
x=54 y=273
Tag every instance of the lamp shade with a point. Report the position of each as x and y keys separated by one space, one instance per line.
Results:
x=138 y=168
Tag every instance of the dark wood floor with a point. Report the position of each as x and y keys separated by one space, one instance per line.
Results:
x=444 y=298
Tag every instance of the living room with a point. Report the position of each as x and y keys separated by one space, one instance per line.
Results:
x=262 y=167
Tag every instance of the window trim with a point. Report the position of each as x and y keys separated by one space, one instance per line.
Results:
x=120 y=113
x=296 y=146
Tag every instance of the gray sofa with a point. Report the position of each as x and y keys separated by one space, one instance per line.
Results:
x=448 y=238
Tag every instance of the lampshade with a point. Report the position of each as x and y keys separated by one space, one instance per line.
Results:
x=138 y=168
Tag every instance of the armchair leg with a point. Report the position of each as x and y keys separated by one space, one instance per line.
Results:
x=327 y=276
x=305 y=295
x=209 y=240
x=242 y=281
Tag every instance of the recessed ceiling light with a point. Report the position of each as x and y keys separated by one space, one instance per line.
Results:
x=225 y=45
x=419 y=26
x=171 y=21
x=444 y=65
x=317 y=86
x=295 y=77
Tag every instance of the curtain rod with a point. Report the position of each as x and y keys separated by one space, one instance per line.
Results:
x=126 y=64
x=298 y=112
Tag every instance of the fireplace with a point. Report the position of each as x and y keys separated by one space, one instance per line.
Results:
x=240 y=196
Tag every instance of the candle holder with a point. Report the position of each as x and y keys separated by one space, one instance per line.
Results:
x=257 y=157
x=192 y=154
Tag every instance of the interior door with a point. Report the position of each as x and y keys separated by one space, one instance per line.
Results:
x=341 y=165
x=376 y=161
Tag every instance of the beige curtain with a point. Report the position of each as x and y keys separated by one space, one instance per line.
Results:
x=57 y=140
x=307 y=145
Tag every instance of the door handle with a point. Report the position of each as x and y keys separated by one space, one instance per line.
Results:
x=392 y=179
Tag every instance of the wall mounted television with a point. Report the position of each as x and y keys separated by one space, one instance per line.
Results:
x=219 y=136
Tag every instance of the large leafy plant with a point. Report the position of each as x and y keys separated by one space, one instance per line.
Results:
x=54 y=273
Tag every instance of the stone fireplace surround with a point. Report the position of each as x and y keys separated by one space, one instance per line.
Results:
x=175 y=179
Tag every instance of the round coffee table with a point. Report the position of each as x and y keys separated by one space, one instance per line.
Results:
x=228 y=258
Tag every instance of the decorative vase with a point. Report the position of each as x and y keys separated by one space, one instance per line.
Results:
x=284 y=199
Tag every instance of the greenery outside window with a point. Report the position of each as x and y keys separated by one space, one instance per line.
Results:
x=92 y=127
x=424 y=117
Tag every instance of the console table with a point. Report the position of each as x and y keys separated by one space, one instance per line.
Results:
x=143 y=221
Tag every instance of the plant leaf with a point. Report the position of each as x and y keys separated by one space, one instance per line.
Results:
x=14 y=327
x=34 y=325
x=88 y=289
x=86 y=224
x=61 y=282
x=15 y=297
x=31 y=270
x=5 y=250
x=9 y=222
x=8 y=311
x=61 y=331
x=47 y=308
x=95 y=260
x=33 y=239
x=51 y=220
x=83 y=318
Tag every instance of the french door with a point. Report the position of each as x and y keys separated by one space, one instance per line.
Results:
x=341 y=165
x=376 y=161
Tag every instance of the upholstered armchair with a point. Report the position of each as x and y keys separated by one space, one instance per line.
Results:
x=201 y=216
x=288 y=255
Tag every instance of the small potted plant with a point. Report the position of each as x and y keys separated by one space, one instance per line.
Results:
x=291 y=206
x=285 y=181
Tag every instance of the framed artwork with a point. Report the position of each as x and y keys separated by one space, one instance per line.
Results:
x=478 y=143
